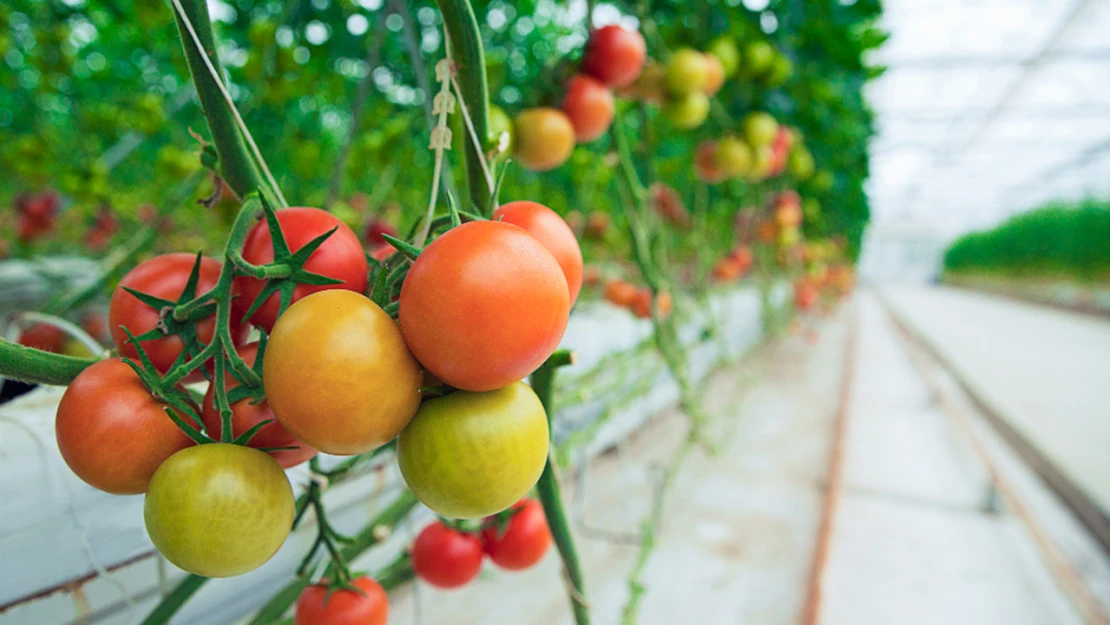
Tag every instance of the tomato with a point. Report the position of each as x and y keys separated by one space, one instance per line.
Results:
x=668 y=203
x=763 y=162
x=789 y=237
x=620 y=293
x=615 y=55
x=524 y=540
x=318 y=605
x=758 y=57
x=43 y=336
x=663 y=304
x=500 y=124
x=687 y=72
x=446 y=558
x=767 y=231
x=245 y=415
x=781 y=70
x=218 y=510
x=591 y=275
x=112 y=433
x=96 y=324
x=727 y=270
x=375 y=228
x=734 y=157
x=484 y=305
x=650 y=86
x=164 y=277
x=552 y=232
x=340 y=257
x=688 y=111
x=805 y=294
x=727 y=53
x=383 y=252
x=760 y=129
x=597 y=224
x=742 y=256
x=338 y=375
x=800 y=163
x=469 y=455
x=706 y=166
x=714 y=75
x=641 y=304
x=544 y=138
x=589 y=105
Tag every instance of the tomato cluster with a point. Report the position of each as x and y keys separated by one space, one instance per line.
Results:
x=448 y=556
x=37 y=215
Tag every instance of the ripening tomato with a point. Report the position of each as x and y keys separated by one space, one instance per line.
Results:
x=112 y=433
x=641 y=304
x=523 y=542
x=734 y=157
x=318 y=605
x=620 y=293
x=43 y=336
x=706 y=166
x=544 y=138
x=589 y=105
x=469 y=455
x=805 y=294
x=338 y=374
x=445 y=557
x=664 y=303
x=615 y=55
x=689 y=111
x=762 y=163
x=218 y=510
x=714 y=75
x=758 y=58
x=726 y=270
x=727 y=53
x=552 y=232
x=760 y=129
x=800 y=163
x=245 y=415
x=687 y=71
x=483 y=305
x=340 y=257
x=164 y=277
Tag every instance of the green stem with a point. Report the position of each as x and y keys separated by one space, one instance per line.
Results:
x=35 y=366
x=470 y=60
x=172 y=602
x=550 y=492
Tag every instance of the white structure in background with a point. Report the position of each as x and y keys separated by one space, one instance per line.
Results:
x=903 y=251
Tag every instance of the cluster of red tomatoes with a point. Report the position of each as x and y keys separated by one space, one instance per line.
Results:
x=639 y=300
x=545 y=137
x=37 y=214
x=734 y=265
x=482 y=307
x=104 y=225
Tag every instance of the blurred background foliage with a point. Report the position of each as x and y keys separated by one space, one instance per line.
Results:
x=96 y=104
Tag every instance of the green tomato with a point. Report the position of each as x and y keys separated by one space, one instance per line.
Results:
x=758 y=58
x=811 y=208
x=760 y=129
x=500 y=123
x=734 y=157
x=689 y=111
x=724 y=48
x=781 y=71
x=800 y=163
x=469 y=455
x=823 y=180
x=218 y=510
x=686 y=72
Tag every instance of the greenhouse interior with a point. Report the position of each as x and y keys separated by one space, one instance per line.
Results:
x=555 y=312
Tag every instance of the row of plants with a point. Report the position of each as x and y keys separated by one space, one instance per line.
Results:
x=672 y=159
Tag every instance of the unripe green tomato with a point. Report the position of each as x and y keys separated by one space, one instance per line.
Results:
x=760 y=129
x=734 y=157
x=218 y=510
x=781 y=71
x=758 y=58
x=800 y=163
x=500 y=123
x=469 y=455
x=811 y=208
x=686 y=72
x=761 y=164
x=823 y=180
x=688 y=111
x=724 y=48
x=788 y=237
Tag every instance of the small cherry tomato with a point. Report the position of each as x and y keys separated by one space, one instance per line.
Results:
x=112 y=433
x=687 y=72
x=164 y=277
x=544 y=138
x=615 y=55
x=758 y=58
x=688 y=111
x=375 y=228
x=706 y=165
x=318 y=605
x=734 y=157
x=641 y=304
x=446 y=558
x=245 y=415
x=760 y=129
x=589 y=105
x=714 y=75
x=339 y=257
x=43 y=336
x=727 y=53
x=218 y=510
x=338 y=374
x=552 y=232
x=469 y=455
x=620 y=293
x=483 y=306
x=523 y=542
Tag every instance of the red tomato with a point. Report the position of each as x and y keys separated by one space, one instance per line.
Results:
x=43 y=336
x=446 y=558
x=245 y=415
x=165 y=277
x=552 y=232
x=340 y=257
x=805 y=294
x=316 y=606
x=374 y=231
x=383 y=252
x=524 y=541
x=484 y=305
x=620 y=293
x=112 y=433
x=705 y=163
x=589 y=105
x=95 y=324
x=615 y=55
x=641 y=304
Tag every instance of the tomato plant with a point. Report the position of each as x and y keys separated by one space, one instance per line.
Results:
x=445 y=557
x=544 y=138
x=338 y=374
x=552 y=232
x=523 y=540
x=483 y=305
x=319 y=604
x=615 y=55
x=339 y=257
x=112 y=433
x=469 y=455
x=218 y=510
